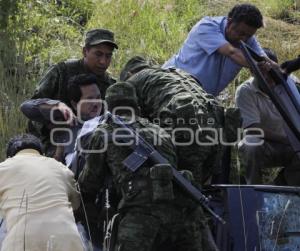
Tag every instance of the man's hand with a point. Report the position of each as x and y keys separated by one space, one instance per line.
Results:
x=273 y=64
x=67 y=113
x=265 y=67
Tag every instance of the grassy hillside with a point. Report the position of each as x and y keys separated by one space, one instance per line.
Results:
x=39 y=33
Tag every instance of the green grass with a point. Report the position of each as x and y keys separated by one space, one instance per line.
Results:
x=40 y=33
x=15 y=85
x=153 y=28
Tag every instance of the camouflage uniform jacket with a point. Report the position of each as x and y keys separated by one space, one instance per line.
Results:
x=109 y=162
x=54 y=84
x=175 y=100
x=159 y=90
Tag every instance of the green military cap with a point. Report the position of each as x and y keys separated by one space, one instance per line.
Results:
x=134 y=64
x=99 y=36
x=120 y=92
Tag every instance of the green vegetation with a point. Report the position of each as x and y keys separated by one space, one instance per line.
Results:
x=38 y=33
x=153 y=28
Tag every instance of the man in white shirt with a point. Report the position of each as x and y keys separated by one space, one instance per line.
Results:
x=37 y=198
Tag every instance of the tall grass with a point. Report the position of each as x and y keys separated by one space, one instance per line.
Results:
x=34 y=35
x=14 y=87
x=153 y=28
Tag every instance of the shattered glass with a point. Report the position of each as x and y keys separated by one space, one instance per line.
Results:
x=279 y=222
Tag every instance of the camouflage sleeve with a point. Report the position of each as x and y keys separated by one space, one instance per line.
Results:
x=162 y=142
x=168 y=148
x=48 y=85
x=32 y=109
x=92 y=177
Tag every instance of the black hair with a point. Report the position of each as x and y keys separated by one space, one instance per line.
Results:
x=271 y=54
x=74 y=84
x=23 y=141
x=246 y=13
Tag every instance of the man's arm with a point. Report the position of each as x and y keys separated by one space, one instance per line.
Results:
x=238 y=57
x=40 y=110
x=291 y=65
x=234 y=53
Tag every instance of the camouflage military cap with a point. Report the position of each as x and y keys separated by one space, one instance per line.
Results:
x=133 y=65
x=120 y=92
x=99 y=36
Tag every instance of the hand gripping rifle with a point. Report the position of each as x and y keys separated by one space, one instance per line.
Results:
x=283 y=94
x=142 y=151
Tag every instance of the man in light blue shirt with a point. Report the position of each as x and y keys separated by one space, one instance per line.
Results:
x=211 y=52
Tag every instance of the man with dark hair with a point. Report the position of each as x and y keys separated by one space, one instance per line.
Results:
x=272 y=148
x=84 y=99
x=97 y=53
x=211 y=53
x=37 y=195
x=84 y=96
x=246 y=13
x=21 y=142
x=154 y=214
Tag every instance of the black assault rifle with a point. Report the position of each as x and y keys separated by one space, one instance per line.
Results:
x=143 y=151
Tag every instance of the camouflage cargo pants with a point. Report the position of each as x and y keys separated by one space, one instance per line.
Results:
x=164 y=227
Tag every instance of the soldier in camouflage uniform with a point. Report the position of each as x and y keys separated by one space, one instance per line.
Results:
x=175 y=100
x=155 y=214
x=97 y=54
